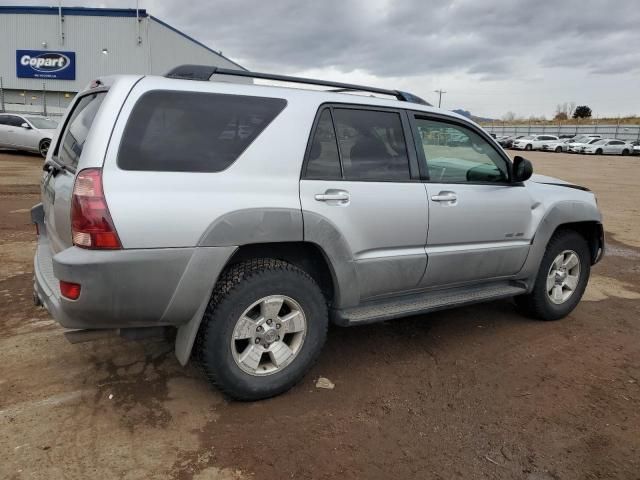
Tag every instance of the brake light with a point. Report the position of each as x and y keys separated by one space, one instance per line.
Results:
x=91 y=223
x=69 y=290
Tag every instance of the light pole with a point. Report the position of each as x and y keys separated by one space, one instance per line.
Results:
x=439 y=92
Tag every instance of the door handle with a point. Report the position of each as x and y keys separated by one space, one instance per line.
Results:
x=448 y=197
x=339 y=196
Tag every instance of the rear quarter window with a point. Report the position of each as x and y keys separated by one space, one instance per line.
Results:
x=193 y=131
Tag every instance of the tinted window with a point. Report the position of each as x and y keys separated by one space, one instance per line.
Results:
x=77 y=129
x=13 y=121
x=3 y=120
x=457 y=154
x=372 y=145
x=193 y=131
x=324 y=161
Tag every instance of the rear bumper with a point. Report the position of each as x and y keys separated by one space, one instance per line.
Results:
x=126 y=288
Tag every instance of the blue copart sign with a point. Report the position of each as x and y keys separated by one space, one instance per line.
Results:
x=46 y=64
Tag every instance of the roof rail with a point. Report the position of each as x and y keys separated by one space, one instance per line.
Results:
x=204 y=73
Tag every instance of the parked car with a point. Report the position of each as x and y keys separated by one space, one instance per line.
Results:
x=579 y=145
x=608 y=146
x=558 y=146
x=636 y=147
x=26 y=132
x=533 y=142
x=507 y=142
x=153 y=216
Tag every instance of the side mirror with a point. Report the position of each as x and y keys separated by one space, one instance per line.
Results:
x=26 y=126
x=522 y=169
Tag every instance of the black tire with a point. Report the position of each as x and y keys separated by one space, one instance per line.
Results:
x=528 y=147
x=238 y=288
x=599 y=151
x=558 y=149
x=625 y=152
x=43 y=147
x=537 y=303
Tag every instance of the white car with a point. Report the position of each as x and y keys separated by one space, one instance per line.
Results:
x=579 y=145
x=609 y=146
x=533 y=142
x=561 y=145
x=26 y=132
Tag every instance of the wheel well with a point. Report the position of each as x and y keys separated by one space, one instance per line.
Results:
x=305 y=255
x=592 y=232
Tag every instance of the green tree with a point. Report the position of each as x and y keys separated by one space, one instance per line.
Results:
x=582 y=111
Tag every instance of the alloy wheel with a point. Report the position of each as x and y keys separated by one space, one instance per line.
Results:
x=563 y=277
x=269 y=335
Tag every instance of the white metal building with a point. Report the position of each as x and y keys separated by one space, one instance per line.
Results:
x=49 y=53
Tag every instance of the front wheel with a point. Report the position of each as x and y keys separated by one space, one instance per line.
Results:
x=263 y=329
x=44 y=147
x=562 y=278
x=558 y=149
x=599 y=151
x=528 y=147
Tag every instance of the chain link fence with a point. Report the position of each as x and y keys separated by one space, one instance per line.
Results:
x=619 y=131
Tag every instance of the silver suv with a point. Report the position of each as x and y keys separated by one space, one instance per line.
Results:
x=252 y=216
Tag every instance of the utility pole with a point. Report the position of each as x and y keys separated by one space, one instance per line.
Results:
x=439 y=92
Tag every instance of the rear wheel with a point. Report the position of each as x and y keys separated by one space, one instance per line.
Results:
x=562 y=278
x=44 y=147
x=625 y=152
x=263 y=329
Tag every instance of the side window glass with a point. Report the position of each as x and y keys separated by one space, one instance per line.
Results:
x=372 y=145
x=4 y=120
x=14 y=121
x=324 y=161
x=457 y=154
x=77 y=129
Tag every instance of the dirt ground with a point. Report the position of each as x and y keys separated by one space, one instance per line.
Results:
x=476 y=392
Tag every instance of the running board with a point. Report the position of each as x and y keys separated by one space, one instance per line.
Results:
x=424 y=302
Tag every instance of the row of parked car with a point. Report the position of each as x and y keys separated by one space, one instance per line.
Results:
x=590 y=144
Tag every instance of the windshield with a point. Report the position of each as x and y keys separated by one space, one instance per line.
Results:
x=529 y=137
x=593 y=140
x=41 y=122
x=599 y=142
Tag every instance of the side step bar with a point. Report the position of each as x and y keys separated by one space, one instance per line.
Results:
x=424 y=302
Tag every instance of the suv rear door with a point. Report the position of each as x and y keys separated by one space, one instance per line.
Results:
x=57 y=184
x=360 y=191
x=479 y=222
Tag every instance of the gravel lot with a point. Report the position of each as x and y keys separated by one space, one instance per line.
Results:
x=477 y=392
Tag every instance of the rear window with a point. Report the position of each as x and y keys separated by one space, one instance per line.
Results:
x=193 y=131
x=77 y=129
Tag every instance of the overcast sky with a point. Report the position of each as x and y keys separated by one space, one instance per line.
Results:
x=490 y=56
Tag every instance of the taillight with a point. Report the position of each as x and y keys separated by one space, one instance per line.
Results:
x=69 y=290
x=91 y=223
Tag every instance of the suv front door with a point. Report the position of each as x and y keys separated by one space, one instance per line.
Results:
x=363 y=201
x=479 y=222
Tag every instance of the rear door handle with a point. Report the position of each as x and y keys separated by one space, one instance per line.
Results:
x=333 y=196
x=448 y=197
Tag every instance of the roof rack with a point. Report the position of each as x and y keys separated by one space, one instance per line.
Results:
x=204 y=73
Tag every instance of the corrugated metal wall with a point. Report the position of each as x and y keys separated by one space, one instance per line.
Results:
x=161 y=48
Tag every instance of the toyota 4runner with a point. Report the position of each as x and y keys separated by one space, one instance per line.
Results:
x=250 y=216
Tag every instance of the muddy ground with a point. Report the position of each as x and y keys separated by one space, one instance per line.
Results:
x=476 y=392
